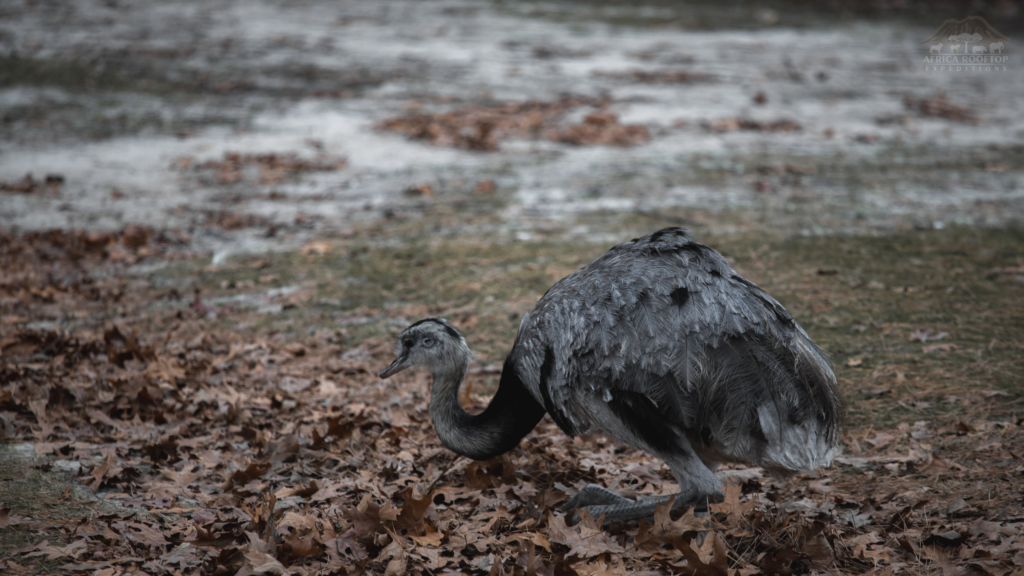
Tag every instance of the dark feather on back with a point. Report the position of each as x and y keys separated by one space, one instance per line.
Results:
x=669 y=319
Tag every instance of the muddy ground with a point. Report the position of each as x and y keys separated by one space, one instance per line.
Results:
x=215 y=217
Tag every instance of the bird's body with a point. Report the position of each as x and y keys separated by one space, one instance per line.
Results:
x=662 y=345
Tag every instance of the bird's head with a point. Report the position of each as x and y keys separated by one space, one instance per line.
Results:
x=433 y=343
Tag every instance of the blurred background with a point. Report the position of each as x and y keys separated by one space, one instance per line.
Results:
x=258 y=125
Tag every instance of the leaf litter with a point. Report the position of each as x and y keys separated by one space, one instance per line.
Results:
x=216 y=450
x=940 y=106
x=483 y=126
x=658 y=76
x=271 y=168
x=28 y=185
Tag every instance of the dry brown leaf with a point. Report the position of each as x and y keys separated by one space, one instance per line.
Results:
x=102 y=471
x=257 y=562
x=8 y=519
x=664 y=529
x=816 y=546
x=300 y=534
x=585 y=540
x=430 y=537
x=711 y=559
x=731 y=505
x=315 y=248
x=399 y=559
x=942 y=560
x=599 y=568
x=365 y=517
x=73 y=550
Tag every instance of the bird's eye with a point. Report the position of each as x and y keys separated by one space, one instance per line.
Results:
x=408 y=342
x=428 y=342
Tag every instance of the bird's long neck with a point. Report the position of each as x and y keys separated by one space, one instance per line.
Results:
x=509 y=417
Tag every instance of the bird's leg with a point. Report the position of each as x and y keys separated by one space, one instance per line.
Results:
x=699 y=484
x=593 y=495
x=615 y=508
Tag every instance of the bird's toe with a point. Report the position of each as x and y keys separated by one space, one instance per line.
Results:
x=572 y=517
x=700 y=502
x=591 y=495
x=572 y=504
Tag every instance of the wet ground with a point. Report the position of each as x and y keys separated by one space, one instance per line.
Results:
x=132 y=107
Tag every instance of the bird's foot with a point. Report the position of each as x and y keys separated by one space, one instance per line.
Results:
x=698 y=502
x=600 y=501
x=592 y=498
x=592 y=495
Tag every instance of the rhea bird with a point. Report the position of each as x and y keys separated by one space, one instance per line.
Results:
x=663 y=346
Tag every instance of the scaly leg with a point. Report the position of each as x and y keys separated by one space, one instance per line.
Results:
x=615 y=508
x=632 y=418
x=592 y=495
x=698 y=483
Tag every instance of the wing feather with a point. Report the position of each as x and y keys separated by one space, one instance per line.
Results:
x=669 y=318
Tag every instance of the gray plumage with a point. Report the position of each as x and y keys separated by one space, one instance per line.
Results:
x=661 y=344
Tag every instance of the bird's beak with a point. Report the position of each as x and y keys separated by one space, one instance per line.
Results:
x=397 y=366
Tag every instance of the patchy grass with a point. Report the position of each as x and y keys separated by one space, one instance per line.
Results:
x=265 y=388
x=72 y=74
x=39 y=499
x=861 y=298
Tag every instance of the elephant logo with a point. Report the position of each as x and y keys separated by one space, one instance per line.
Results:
x=995 y=48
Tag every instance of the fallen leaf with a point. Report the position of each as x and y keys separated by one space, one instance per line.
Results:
x=73 y=550
x=262 y=563
x=430 y=537
x=8 y=519
x=941 y=559
x=585 y=540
